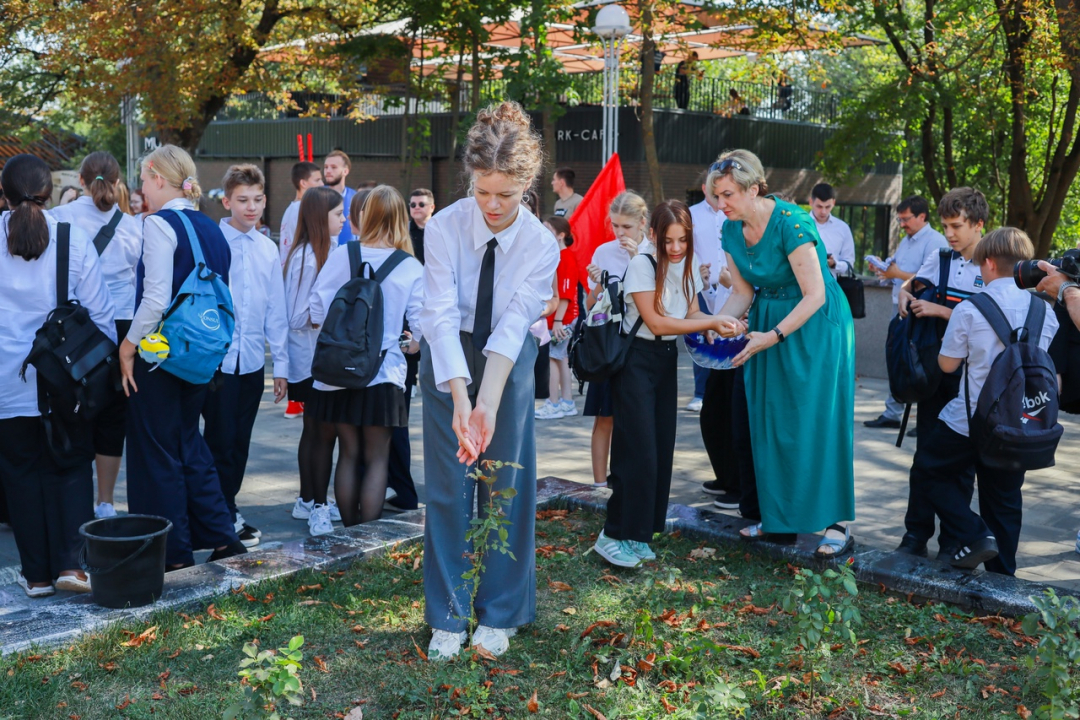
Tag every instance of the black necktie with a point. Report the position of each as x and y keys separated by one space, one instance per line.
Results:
x=485 y=295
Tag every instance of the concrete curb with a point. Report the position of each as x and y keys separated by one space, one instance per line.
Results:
x=26 y=625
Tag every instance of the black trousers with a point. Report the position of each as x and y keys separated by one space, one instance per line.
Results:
x=400 y=473
x=170 y=471
x=110 y=425
x=542 y=372
x=944 y=462
x=919 y=520
x=645 y=398
x=717 y=428
x=48 y=503
x=229 y=417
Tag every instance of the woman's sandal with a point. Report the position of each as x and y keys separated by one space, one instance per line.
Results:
x=834 y=547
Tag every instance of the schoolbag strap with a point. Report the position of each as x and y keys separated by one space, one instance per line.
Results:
x=356 y=260
x=63 y=261
x=395 y=259
x=944 y=264
x=193 y=239
x=1036 y=316
x=105 y=234
x=993 y=314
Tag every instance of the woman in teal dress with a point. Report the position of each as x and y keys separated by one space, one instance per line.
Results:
x=799 y=363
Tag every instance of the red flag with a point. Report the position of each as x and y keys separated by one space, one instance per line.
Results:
x=590 y=223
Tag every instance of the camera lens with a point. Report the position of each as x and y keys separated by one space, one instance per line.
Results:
x=1027 y=274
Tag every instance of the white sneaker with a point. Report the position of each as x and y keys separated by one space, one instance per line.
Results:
x=104 y=510
x=568 y=407
x=495 y=640
x=39 y=592
x=302 y=510
x=550 y=411
x=319 y=523
x=335 y=514
x=694 y=405
x=444 y=645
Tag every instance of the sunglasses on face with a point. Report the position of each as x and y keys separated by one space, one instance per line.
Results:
x=725 y=166
x=417 y=204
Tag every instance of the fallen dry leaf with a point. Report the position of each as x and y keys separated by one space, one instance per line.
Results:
x=321 y=664
x=483 y=652
x=600 y=623
x=938 y=694
x=559 y=586
x=355 y=714
x=702 y=553
x=264 y=618
x=420 y=653
x=214 y=612
x=561 y=627
x=127 y=701
x=577 y=696
x=305 y=588
x=570 y=611
x=1023 y=712
x=109 y=666
x=310 y=602
x=533 y=705
x=595 y=713
x=742 y=649
x=146 y=636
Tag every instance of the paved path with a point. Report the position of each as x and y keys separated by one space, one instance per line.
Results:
x=1051 y=510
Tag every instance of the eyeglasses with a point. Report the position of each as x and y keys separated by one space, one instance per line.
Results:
x=417 y=204
x=724 y=166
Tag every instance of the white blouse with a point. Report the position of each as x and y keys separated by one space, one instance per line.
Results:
x=455 y=241
x=121 y=255
x=159 y=246
x=402 y=292
x=300 y=274
x=28 y=295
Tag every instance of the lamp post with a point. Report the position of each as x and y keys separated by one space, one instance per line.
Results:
x=612 y=25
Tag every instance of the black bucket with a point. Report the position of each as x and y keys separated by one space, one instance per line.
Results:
x=125 y=558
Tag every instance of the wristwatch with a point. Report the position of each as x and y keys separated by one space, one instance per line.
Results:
x=1061 y=290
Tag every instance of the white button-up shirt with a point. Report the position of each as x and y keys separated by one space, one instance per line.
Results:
x=708 y=224
x=300 y=275
x=121 y=255
x=839 y=243
x=288 y=229
x=159 y=246
x=28 y=295
x=258 y=292
x=970 y=336
x=455 y=241
x=912 y=252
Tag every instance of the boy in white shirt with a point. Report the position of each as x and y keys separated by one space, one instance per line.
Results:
x=834 y=232
x=948 y=456
x=304 y=175
x=258 y=291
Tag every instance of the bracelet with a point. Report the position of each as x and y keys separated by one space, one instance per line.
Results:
x=779 y=333
x=1061 y=291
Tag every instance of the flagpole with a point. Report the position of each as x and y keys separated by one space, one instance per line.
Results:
x=612 y=25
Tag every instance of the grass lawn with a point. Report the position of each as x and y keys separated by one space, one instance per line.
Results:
x=693 y=627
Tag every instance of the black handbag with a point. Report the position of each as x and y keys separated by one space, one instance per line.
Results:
x=854 y=291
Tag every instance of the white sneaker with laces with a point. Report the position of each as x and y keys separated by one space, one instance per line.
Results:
x=335 y=514
x=694 y=405
x=550 y=411
x=495 y=640
x=568 y=407
x=302 y=510
x=39 y=592
x=104 y=510
x=444 y=645
x=319 y=523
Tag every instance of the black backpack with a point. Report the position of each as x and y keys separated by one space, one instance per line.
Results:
x=106 y=232
x=597 y=351
x=1015 y=423
x=77 y=365
x=912 y=348
x=348 y=352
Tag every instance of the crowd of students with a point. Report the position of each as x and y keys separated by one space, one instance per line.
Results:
x=463 y=292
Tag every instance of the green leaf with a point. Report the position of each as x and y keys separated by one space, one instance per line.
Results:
x=296 y=642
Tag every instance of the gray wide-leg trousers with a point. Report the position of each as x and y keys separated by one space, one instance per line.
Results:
x=507 y=594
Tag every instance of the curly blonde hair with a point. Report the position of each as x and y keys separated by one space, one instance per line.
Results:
x=503 y=140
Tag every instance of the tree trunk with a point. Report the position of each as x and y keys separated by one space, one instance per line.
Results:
x=550 y=160
x=648 y=136
x=475 y=73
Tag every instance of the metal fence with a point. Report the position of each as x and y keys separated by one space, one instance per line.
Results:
x=703 y=95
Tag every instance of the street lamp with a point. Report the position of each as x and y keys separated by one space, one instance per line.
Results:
x=612 y=25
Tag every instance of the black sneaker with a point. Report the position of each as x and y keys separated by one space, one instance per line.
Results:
x=713 y=487
x=972 y=555
x=946 y=552
x=249 y=536
x=913 y=432
x=882 y=422
x=230 y=550
x=911 y=546
x=727 y=501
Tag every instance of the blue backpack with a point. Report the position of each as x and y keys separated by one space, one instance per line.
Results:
x=199 y=323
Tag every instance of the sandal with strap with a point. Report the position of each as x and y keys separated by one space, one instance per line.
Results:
x=755 y=533
x=830 y=548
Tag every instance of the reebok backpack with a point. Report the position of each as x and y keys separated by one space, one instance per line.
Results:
x=1015 y=423
x=78 y=370
x=598 y=347
x=199 y=323
x=348 y=352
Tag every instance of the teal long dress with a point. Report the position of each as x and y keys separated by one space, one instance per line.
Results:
x=801 y=392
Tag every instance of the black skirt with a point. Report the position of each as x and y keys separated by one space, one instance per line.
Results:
x=382 y=405
x=598 y=400
x=302 y=391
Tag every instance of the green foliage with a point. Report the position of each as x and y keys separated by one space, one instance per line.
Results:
x=488 y=531
x=717 y=698
x=269 y=678
x=1057 y=655
x=824 y=609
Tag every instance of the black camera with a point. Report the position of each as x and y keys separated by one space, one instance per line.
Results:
x=1028 y=274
